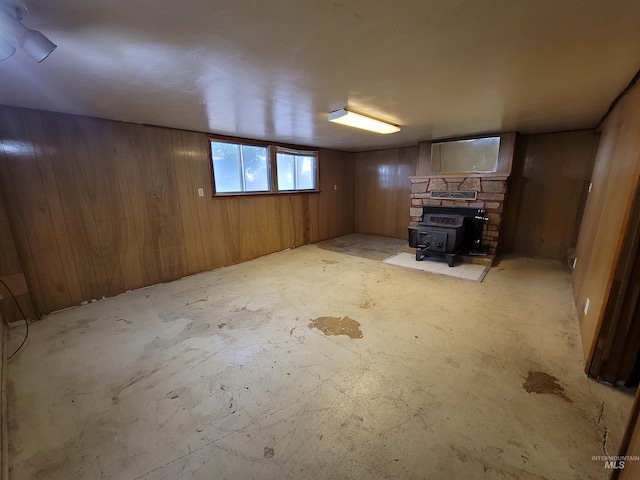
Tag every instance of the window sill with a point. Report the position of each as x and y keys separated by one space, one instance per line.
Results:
x=264 y=194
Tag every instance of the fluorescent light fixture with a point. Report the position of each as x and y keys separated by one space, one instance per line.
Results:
x=36 y=45
x=357 y=120
x=33 y=42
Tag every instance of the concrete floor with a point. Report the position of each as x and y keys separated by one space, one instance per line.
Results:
x=219 y=376
x=365 y=246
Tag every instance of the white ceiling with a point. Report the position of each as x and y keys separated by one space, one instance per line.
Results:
x=275 y=69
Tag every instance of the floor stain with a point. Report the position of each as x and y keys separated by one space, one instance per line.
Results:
x=123 y=320
x=452 y=362
x=337 y=326
x=196 y=301
x=367 y=304
x=142 y=375
x=268 y=452
x=80 y=325
x=194 y=329
x=540 y=382
x=491 y=460
x=330 y=262
x=363 y=246
x=223 y=324
x=568 y=339
x=462 y=454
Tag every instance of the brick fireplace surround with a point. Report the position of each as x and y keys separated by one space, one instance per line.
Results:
x=491 y=192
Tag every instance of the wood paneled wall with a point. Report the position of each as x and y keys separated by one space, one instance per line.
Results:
x=605 y=221
x=382 y=191
x=547 y=192
x=630 y=445
x=11 y=274
x=99 y=207
x=332 y=212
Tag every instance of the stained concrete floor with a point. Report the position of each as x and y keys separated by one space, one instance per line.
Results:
x=365 y=246
x=219 y=376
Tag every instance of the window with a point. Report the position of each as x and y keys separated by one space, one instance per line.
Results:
x=297 y=170
x=473 y=155
x=240 y=168
x=245 y=168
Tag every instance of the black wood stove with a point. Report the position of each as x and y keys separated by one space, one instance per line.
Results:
x=448 y=231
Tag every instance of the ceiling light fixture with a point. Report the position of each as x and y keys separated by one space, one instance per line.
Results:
x=357 y=120
x=33 y=42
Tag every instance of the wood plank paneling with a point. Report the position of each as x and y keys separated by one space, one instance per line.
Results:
x=127 y=201
x=50 y=183
x=58 y=134
x=618 y=344
x=25 y=197
x=631 y=469
x=604 y=225
x=12 y=275
x=332 y=213
x=382 y=191
x=100 y=207
x=547 y=192
x=630 y=445
x=186 y=165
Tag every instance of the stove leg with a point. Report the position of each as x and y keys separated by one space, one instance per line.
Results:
x=419 y=255
x=450 y=260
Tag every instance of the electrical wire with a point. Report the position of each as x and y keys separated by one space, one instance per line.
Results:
x=26 y=322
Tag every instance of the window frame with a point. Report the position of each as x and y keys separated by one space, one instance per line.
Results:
x=272 y=167
x=241 y=143
x=298 y=153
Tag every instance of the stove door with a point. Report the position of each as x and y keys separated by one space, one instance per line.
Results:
x=434 y=240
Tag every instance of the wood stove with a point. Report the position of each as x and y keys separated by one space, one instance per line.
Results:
x=447 y=231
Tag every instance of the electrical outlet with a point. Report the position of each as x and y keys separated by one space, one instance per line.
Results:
x=586 y=306
x=335 y=187
x=201 y=192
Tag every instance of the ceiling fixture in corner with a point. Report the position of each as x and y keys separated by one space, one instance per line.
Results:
x=357 y=120
x=32 y=42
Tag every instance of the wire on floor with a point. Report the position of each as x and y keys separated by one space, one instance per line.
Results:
x=26 y=322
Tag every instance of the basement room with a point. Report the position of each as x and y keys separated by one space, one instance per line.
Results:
x=319 y=240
